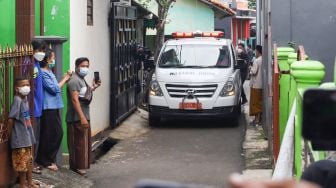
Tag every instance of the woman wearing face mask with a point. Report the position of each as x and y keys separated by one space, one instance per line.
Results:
x=79 y=95
x=38 y=48
x=51 y=128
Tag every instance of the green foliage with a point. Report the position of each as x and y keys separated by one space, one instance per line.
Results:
x=145 y=3
x=166 y=4
x=252 y=4
x=163 y=8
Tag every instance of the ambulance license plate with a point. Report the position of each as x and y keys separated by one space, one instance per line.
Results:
x=190 y=106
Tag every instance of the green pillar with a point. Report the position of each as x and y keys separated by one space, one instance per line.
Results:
x=284 y=87
x=307 y=74
x=292 y=57
x=330 y=85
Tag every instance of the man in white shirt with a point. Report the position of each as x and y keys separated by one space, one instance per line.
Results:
x=256 y=87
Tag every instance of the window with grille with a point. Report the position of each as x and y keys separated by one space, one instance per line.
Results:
x=89 y=12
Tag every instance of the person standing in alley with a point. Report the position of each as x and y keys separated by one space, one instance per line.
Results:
x=38 y=48
x=51 y=127
x=256 y=87
x=242 y=61
x=250 y=54
x=79 y=95
x=22 y=135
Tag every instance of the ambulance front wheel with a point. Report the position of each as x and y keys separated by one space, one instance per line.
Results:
x=153 y=121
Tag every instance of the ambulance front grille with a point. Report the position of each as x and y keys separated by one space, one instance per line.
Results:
x=200 y=91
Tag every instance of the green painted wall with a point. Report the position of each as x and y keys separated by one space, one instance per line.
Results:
x=190 y=15
x=57 y=22
x=37 y=17
x=7 y=23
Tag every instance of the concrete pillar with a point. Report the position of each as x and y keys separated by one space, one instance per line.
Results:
x=292 y=57
x=284 y=87
x=306 y=74
x=25 y=21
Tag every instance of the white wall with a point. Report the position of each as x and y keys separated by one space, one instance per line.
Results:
x=93 y=42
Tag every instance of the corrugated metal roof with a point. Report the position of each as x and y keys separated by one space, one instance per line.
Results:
x=223 y=6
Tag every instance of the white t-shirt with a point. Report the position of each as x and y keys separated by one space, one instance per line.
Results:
x=256 y=74
x=82 y=91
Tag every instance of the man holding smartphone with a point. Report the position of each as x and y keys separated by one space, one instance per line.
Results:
x=79 y=95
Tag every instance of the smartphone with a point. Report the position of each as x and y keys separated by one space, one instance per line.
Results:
x=319 y=118
x=96 y=76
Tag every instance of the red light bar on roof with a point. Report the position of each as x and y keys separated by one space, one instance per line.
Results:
x=183 y=35
x=216 y=34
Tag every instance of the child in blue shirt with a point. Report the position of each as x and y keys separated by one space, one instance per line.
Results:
x=22 y=136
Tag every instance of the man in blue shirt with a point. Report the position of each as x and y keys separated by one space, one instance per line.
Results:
x=39 y=47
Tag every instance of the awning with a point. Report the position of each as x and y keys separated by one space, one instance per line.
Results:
x=151 y=6
x=245 y=14
x=150 y=18
x=221 y=9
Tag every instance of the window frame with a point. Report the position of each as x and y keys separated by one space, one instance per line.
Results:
x=89 y=13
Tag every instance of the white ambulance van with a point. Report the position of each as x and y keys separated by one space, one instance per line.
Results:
x=195 y=77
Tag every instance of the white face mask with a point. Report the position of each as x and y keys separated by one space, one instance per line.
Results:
x=25 y=90
x=39 y=56
x=83 y=71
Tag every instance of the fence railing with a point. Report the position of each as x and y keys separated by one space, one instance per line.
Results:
x=275 y=103
x=297 y=74
x=14 y=63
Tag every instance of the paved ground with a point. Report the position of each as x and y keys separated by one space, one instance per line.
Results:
x=201 y=152
x=256 y=153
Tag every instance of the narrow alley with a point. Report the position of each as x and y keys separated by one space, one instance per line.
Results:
x=197 y=152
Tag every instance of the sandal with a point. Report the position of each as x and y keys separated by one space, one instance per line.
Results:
x=37 y=170
x=41 y=184
x=80 y=172
x=52 y=167
x=34 y=185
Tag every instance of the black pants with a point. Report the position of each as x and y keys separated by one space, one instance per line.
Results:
x=37 y=130
x=243 y=74
x=50 y=137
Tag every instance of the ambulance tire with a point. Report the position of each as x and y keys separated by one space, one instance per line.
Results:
x=153 y=121
x=239 y=108
x=235 y=120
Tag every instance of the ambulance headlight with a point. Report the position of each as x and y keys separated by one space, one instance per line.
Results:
x=228 y=89
x=155 y=89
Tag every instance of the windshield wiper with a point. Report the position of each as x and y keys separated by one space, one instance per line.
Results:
x=170 y=66
x=191 y=66
x=217 y=66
